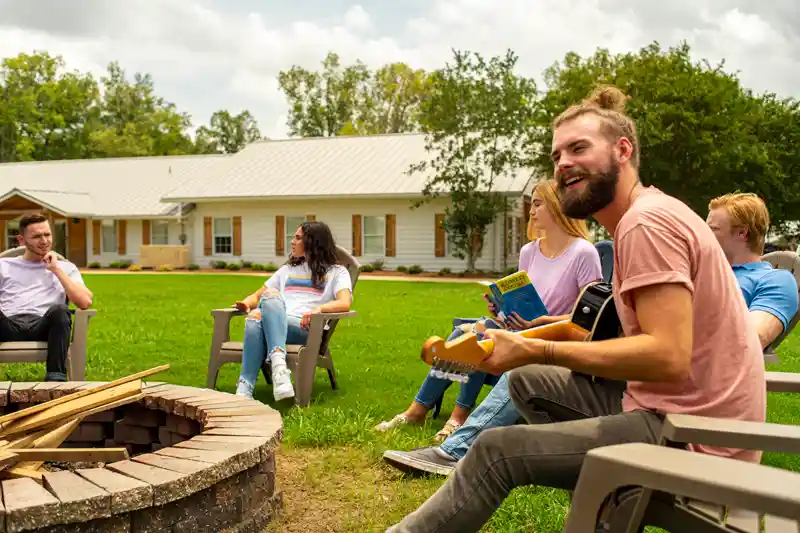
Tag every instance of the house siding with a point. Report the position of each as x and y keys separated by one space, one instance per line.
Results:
x=414 y=240
x=133 y=241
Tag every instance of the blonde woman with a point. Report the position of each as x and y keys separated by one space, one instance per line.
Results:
x=560 y=262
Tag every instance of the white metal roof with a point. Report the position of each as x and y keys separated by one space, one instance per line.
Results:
x=331 y=166
x=114 y=187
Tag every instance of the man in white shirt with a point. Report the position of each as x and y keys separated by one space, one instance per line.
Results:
x=34 y=290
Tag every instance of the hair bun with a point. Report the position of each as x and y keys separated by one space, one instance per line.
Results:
x=608 y=97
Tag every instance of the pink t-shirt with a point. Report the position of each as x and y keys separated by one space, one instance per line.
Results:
x=560 y=279
x=661 y=240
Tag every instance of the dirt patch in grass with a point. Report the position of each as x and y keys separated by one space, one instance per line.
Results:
x=342 y=489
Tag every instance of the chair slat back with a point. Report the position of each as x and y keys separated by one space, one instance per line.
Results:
x=788 y=261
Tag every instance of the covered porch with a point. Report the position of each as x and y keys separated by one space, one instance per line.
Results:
x=68 y=225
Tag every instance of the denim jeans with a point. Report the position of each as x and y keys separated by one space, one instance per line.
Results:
x=496 y=410
x=433 y=388
x=567 y=414
x=263 y=337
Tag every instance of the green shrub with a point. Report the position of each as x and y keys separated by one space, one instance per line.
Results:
x=193 y=267
x=94 y=264
x=271 y=267
x=233 y=266
x=377 y=265
x=115 y=264
x=164 y=268
x=367 y=268
x=247 y=264
x=415 y=269
x=134 y=268
x=445 y=271
x=219 y=264
x=258 y=267
x=509 y=271
x=401 y=268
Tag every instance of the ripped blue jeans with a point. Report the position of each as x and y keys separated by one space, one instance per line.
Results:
x=262 y=338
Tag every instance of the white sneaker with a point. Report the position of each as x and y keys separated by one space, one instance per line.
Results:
x=244 y=389
x=281 y=380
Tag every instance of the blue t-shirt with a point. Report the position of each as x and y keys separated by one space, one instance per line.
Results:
x=772 y=290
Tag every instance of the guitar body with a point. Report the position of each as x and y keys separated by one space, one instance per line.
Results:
x=594 y=317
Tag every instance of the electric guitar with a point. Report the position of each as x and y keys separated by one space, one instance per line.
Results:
x=593 y=318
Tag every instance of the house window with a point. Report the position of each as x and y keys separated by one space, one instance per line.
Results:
x=374 y=235
x=292 y=223
x=108 y=237
x=223 y=236
x=159 y=232
x=12 y=230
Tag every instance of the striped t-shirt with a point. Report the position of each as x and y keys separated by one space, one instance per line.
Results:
x=300 y=296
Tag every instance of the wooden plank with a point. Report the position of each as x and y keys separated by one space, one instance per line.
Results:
x=24 y=473
x=80 y=394
x=81 y=405
x=8 y=458
x=127 y=493
x=28 y=505
x=81 y=500
x=53 y=439
x=102 y=455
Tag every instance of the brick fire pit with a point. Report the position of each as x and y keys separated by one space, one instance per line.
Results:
x=201 y=461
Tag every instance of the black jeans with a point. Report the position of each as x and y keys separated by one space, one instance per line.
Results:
x=567 y=415
x=54 y=327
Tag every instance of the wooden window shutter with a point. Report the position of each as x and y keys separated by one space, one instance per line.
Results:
x=237 y=236
x=96 y=237
x=208 y=236
x=508 y=231
x=441 y=236
x=391 y=235
x=4 y=236
x=311 y=218
x=280 y=235
x=145 y=232
x=122 y=247
x=356 y=235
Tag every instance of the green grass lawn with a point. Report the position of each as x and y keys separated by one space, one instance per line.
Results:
x=330 y=467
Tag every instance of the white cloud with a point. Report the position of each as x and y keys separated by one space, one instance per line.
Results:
x=205 y=58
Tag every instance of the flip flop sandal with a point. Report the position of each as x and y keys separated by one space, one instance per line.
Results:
x=449 y=428
x=398 y=420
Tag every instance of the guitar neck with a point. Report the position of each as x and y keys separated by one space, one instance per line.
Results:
x=563 y=330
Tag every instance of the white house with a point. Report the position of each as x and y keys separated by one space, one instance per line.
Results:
x=247 y=205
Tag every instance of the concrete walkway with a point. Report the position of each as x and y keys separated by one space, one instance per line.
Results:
x=363 y=276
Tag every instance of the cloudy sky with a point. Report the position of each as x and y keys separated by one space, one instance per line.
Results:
x=206 y=55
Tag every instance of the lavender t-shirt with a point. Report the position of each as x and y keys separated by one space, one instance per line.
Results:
x=560 y=279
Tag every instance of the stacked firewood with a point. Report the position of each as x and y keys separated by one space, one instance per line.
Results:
x=32 y=436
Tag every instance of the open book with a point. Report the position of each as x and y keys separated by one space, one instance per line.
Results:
x=515 y=294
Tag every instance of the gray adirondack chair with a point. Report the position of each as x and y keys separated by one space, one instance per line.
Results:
x=682 y=492
x=791 y=262
x=36 y=352
x=301 y=359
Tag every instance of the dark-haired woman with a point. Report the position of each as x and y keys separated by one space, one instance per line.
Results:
x=279 y=313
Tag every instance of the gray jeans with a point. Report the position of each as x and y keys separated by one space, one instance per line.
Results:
x=568 y=414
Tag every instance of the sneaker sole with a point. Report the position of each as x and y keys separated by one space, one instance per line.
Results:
x=283 y=395
x=410 y=465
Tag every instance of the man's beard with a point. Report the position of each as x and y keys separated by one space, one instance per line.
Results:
x=35 y=250
x=597 y=193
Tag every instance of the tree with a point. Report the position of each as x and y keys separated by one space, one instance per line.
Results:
x=227 y=133
x=389 y=101
x=134 y=121
x=476 y=121
x=322 y=103
x=45 y=113
x=352 y=100
x=701 y=133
